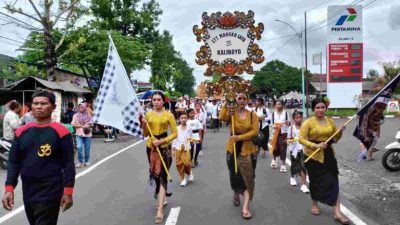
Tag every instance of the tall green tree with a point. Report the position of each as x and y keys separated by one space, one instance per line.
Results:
x=85 y=50
x=47 y=14
x=277 y=78
x=128 y=17
x=167 y=65
x=185 y=82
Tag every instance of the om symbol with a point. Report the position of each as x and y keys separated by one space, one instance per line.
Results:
x=228 y=43
x=45 y=150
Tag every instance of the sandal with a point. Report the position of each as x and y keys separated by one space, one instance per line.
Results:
x=315 y=211
x=246 y=215
x=341 y=220
x=159 y=219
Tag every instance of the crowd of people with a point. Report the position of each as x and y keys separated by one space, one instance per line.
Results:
x=78 y=121
x=246 y=123
x=169 y=141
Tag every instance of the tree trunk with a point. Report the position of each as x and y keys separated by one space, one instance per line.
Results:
x=49 y=51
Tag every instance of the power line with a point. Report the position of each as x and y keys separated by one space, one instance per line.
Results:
x=11 y=39
x=335 y=13
x=317 y=6
x=372 y=2
x=9 y=43
x=287 y=42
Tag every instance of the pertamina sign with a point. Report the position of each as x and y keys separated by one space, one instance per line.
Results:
x=345 y=55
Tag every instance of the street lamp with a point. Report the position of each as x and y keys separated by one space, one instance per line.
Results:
x=299 y=36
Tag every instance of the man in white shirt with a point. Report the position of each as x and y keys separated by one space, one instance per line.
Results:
x=209 y=107
x=11 y=121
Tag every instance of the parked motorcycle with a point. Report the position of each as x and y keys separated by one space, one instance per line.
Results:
x=391 y=158
x=5 y=148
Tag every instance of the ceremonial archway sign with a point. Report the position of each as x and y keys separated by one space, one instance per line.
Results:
x=230 y=50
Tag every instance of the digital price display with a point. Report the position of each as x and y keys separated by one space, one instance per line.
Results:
x=345 y=62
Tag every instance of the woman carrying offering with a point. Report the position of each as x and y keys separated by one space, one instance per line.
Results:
x=322 y=168
x=158 y=121
x=245 y=125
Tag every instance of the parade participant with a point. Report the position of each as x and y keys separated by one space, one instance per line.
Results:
x=296 y=152
x=264 y=117
x=280 y=121
x=181 y=104
x=246 y=128
x=181 y=149
x=191 y=103
x=46 y=164
x=197 y=129
x=250 y=106
x=214 y=115
x=322 y=168
x=82 y=122
x=209 y=106
x=159 y=120
x=11 y=121
x=201 y=115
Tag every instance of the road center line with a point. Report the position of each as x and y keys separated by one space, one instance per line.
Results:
x=173 y=216
x=21 y=208
x=355 y=219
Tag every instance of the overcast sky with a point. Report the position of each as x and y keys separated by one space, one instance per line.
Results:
x=381 y=20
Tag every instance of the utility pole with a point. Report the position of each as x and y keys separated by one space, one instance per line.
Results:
x=305 y=47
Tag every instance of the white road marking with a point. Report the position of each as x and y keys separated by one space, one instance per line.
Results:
x=355 y=219
x=173 y=216
x=21 y=208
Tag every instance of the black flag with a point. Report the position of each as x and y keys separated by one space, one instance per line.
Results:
x=371 y=114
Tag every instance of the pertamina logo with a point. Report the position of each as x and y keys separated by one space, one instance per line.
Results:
x=346 y=19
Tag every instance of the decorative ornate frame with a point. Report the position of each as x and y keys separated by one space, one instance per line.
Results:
x=230 y=86
x=227 y=21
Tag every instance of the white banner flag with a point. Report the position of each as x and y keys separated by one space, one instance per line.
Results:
x=116 y=104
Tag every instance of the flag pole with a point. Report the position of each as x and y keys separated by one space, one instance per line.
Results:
x=159 y=154
x=395 y=79
x=331 y=137
x=234 y=143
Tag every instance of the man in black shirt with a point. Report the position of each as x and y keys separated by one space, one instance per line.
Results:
x=42 y=153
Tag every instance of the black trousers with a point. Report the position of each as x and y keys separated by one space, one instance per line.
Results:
x=43 y=213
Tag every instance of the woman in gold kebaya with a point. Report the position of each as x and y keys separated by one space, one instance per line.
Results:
x=159 y=120
x=246 y=127
x=322 y=168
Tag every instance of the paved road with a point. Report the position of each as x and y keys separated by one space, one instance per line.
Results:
x=116 y=192
x=372 y=190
